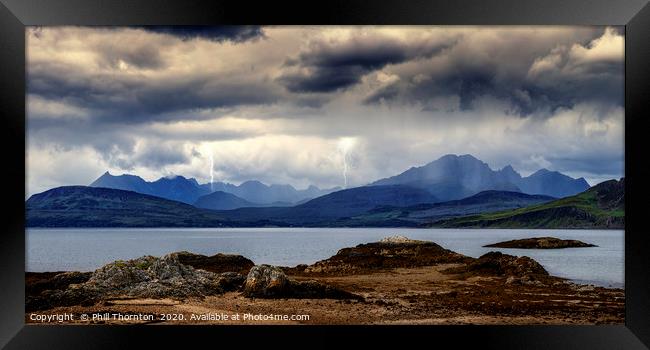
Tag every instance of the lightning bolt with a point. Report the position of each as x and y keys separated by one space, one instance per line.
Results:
x=345 y=170
x=211 y=173
x=345 y=145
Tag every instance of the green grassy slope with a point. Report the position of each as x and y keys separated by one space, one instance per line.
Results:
x=601 y=206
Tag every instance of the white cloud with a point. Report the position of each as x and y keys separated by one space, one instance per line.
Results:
x=577 y=59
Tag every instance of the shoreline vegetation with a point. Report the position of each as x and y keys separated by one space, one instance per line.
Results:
x=394 y=281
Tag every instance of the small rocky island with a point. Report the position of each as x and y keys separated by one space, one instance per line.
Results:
x=394 y=281
x=541 y=243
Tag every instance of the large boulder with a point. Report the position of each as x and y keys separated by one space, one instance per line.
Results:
x=144 y=277
x=265 y=281
x=152 y=277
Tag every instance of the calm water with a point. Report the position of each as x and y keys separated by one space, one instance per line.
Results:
x=88 y=249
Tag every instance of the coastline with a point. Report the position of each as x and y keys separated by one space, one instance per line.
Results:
x=442 y=287
x=87 y=250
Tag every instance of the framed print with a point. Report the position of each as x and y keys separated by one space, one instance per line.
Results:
x=471 y=172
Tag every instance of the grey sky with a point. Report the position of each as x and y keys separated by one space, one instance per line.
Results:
x=320 y=105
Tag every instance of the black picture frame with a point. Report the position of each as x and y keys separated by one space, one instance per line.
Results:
x=633 y=14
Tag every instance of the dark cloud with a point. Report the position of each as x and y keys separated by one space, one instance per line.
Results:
x=323 y=79
x=127 y=99
x=564 y=81
x=161 y=154
x=67 y=135
x=470 y=86
x=214 y=33
x=119 y=146
x=599 y=82
x=327 y=67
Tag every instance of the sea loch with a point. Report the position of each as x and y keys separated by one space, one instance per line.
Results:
x=88 y=249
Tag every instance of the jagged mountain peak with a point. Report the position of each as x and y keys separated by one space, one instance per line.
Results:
x=188 y=190
x=453 y=177
x=508 y=168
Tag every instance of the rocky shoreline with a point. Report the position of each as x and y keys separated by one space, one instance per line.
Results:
x=395 y=280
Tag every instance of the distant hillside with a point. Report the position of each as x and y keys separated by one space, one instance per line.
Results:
x=81 y=206
x=602 y=206
x=339 y=204
x=175 y=188
x=220 y=200
x=188 y=191
x=483 y=202
x=371 y=206
x=551 y=183
x=454 y=177
x=359 y=200
x=262 y=194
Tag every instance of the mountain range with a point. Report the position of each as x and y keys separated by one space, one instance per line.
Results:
x=179 y=188
x=601 y=206
x=81 y=206
x=448 y=178
x=451 y=191
x=454 y=177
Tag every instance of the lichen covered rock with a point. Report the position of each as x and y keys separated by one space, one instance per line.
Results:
x=152 y=277
x=264 y=281
x=144 y=277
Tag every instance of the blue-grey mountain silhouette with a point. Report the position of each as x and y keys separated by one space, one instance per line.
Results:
x=336 y=205
x=219 y=200
x=454 y=177
x=552 y=183
x=188 y=191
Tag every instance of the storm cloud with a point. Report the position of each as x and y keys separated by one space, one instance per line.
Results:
x=216 y=33
x=329 y=65
x=280 y=104
x=526 y=78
